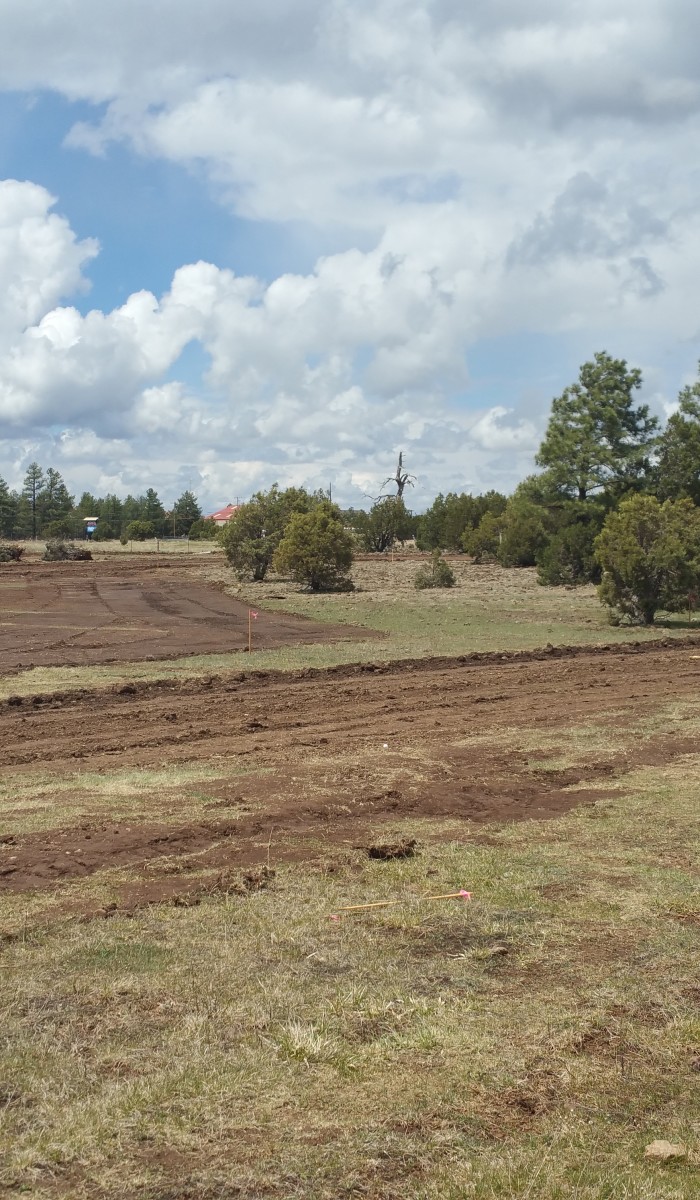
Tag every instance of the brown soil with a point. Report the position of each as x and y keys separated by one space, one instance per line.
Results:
x=347 y=752
x=78 y=614
x=316 y=811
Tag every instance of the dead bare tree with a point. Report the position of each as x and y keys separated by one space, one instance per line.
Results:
x=401 y=479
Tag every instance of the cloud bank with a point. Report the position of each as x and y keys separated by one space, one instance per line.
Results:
x=488 y=174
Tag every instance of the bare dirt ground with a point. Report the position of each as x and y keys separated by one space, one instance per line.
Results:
x=333 y=757
x=74 y=614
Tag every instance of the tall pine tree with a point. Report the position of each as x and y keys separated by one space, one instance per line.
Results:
x=152 y=510
x=55 y=502
x=185 y=512
x=596 y=438
x=32 y=488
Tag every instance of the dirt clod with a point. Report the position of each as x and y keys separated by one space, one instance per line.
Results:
x=406 y=848
x=255 y=880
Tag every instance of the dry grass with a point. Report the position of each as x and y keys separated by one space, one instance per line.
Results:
x=150 y=546
x=528 y=1043
x=40 y=800
x=616 y=739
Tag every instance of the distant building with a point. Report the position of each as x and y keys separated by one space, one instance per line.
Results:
x=223 y=516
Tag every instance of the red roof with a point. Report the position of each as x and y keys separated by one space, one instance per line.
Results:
x=224 y=514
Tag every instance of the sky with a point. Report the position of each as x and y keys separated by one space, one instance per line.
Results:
x=242 y=244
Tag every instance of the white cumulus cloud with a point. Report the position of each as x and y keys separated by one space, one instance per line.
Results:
x=483 y=173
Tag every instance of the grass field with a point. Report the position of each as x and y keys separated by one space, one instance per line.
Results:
x=528 y=1042
x=35 y=550
x=490 y=608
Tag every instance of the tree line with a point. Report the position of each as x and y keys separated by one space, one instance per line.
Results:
x=600 y=449
x=44 y=508
x=616 y=502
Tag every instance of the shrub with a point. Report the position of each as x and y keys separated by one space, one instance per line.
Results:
x=251 y=538
x=514 y=537
x=452 y=518
x=203 y=530
x=10 y=553
x=650 y=555
x=317 y=549
x=483 y=542
x=524 y=535
x=569 y=556
x=104 y=533
x=63 y=528
x=435 y=574
x=388 y=521
x=60 y=551
x=140 y=531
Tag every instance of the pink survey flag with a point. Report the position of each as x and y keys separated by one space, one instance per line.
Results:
x=252 y=614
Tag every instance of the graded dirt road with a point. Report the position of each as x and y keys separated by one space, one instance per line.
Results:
x=77 y=614
x=328 y=757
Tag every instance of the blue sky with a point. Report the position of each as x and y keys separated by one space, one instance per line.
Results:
x=148 y=215
x=239 y=246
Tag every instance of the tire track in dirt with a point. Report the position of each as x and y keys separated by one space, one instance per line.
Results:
x=317 y=812
x=278 y=716
x=320 y=739
x=152 y=613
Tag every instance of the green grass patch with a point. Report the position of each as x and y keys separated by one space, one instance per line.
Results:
x=130 y=957
x=490 y=609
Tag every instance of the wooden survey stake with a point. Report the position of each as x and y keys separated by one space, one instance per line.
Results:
x=252 y=616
